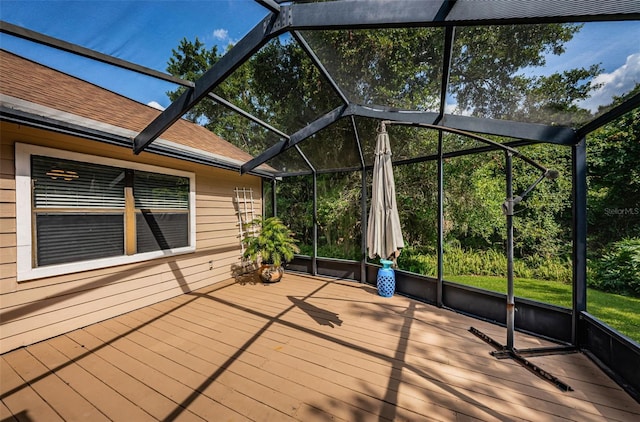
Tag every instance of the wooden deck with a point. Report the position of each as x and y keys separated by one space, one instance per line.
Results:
x=304 y=349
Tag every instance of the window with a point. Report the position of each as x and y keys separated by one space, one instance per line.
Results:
x=79 y=212
x=162 y=211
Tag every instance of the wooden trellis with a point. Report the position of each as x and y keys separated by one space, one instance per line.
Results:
x=245 y=211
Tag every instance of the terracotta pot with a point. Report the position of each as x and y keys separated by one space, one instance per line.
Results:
x=270 y=273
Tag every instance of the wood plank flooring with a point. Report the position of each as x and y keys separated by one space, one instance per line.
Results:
x=304 y=349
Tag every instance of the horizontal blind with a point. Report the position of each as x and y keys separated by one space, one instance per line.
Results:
x=160 y=191
x=60 y=183
x=71 y=237
x=161 y=231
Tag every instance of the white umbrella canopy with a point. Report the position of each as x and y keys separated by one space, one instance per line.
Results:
x=384 y=235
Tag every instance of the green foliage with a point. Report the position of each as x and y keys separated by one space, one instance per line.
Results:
x=189 y=61
x=294 y=197
x=339 y=223
x=618 y=270
x=274 y=243
x=544 y=291
x=560 y=109
x=489 y=68
x=614 y=180
x=490 y=262
x=411 y=259
x=474 y=193
x=620 y=312
x=401 y=67
x=542 y=224
x=332 y=251
x=397 y=67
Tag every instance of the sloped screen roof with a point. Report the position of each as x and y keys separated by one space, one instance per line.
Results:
x=302 y=84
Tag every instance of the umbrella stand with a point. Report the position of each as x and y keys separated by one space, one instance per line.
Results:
x=509 y=351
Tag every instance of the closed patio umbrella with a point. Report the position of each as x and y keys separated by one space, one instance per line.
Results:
x=384 y=235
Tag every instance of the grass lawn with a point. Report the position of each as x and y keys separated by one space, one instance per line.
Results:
x=619 y=312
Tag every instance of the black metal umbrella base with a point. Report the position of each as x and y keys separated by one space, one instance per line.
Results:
x=503 y=352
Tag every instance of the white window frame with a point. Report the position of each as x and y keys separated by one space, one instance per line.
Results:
x=24 y=224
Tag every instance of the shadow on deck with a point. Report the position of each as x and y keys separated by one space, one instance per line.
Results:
x=306 y=348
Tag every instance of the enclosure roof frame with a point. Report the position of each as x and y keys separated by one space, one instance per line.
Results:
x=358 y=14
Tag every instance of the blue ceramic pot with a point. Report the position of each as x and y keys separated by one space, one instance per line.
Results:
x=386 y=279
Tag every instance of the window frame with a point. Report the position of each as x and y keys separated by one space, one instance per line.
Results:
x=25 y=225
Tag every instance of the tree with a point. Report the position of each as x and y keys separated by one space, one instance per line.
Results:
x=403 y=68
x=394 y=67
x=613 y=154
x=488 y=73
x=189 y=61
x=551 y=99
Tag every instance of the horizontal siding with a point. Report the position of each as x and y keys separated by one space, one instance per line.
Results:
x=8 y=225
x=8 y=240
x=96 y=307
x=8 y=196
x=38 y=309
x=7 y=182
x=7 y=278
x=8 y=255
x=8 y=209
x=126 y=279
x=35 y=301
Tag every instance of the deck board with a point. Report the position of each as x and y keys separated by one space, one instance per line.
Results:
x=304 y=349
x=67 y=402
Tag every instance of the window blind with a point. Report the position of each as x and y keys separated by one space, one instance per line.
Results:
x=70 y=237
x=160 y=191
x=160 y=231
x=79 y=210
x=59 y=183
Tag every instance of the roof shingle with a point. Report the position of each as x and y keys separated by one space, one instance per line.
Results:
x=38 y=84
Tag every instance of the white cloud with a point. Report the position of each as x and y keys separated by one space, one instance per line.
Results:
x=221 y=34
x=155 y=105
x=616 y=83
x=451 y=107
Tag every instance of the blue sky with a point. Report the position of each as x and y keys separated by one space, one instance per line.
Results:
x=145 y=32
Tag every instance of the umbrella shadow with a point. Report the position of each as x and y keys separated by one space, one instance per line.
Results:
x=319 y=315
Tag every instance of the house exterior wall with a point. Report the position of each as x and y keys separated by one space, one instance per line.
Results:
x=34 y=310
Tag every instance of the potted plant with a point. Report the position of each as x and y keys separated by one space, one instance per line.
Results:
x=274 y=245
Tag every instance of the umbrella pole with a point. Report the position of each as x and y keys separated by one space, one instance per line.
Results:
x=314 y=260
x=440 y=222
x=511 y=306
